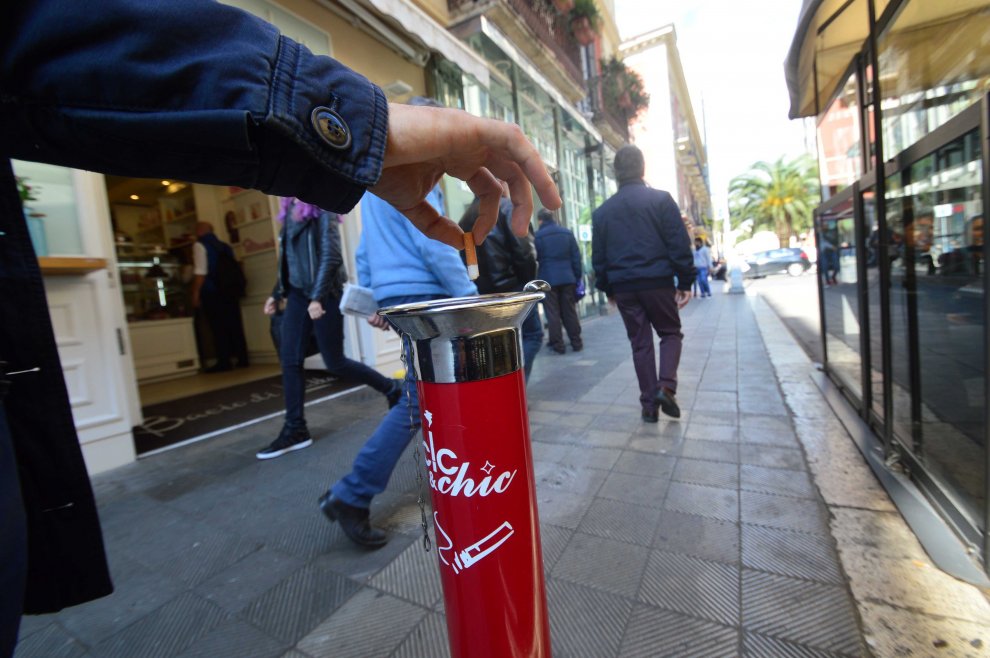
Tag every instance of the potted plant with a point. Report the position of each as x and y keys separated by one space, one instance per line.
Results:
x=585 y=21
x=563 y=6
x=36 y=228
x=622 y=89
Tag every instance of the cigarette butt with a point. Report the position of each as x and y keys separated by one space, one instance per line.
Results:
x=471 y=256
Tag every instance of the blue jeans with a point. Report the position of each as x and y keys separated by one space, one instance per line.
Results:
x=532 y=339
x=375 y=462
x=329 y=332
x=704 y=288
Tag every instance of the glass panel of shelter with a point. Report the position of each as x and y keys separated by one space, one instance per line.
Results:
x=838 y=250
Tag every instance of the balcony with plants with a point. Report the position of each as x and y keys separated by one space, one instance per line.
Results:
x=550 y=33
x=616 y=96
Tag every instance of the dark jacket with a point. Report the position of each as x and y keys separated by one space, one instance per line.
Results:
x=558 y=254
x=639 y=242
x=505 y=263
x=310 y=258
x=213 y=246
x=185 y=89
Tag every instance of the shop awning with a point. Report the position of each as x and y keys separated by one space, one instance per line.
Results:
x=830 y=33
x=420 y=32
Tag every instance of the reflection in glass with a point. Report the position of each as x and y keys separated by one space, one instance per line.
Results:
x=872 y=255
x=937 y=303
x=839 y=152
x=932 y=66
x=840 y=294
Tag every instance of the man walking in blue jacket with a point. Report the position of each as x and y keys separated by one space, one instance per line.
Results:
x=560 y=266
x=641 y=253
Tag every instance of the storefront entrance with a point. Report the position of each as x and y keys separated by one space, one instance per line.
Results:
x=154 y=227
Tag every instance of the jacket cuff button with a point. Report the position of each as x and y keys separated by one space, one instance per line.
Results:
x=331 y=127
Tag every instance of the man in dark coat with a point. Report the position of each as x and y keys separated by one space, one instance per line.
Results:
x=232 y=102
x=560 y=265
x=641 y=253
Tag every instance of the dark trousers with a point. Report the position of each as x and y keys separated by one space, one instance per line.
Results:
x=644 y=312
x=13 y=542
x=329 y=332
x=223 y=314
x=561 y=309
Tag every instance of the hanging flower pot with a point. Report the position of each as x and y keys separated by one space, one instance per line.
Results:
x=625 y=100
x=583 y=32
x=563 y=6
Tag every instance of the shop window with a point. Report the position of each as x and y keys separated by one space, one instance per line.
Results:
x=839 y=143
x=840 y=294
x=51 y=208
x=934 y=58
x=937 y=315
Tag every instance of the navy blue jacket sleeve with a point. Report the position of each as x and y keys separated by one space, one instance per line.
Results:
x=598 y=262
x=188 y=89
x=576 y=258
x=675 y=236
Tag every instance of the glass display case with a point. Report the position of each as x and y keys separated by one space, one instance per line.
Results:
x=154 y=282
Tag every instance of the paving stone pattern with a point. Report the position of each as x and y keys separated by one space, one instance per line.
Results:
x=699 y=537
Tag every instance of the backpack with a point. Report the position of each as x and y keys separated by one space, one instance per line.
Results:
x=230 y=279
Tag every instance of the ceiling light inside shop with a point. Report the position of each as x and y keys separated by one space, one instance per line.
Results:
x=166 y=183
x=135 y=197
x=175 y=187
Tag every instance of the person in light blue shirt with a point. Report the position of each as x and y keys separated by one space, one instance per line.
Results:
x=401 y=266
x=394 y=259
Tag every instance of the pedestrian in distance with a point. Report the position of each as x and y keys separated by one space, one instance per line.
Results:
x=641 y=253
x=702 y=261
x=217 y=288
x=400 y=266
x=233 y=102
x=311 y=278
x=560 y=265
x=506 y=264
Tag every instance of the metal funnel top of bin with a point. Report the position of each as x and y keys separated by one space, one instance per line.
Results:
x=461 y=317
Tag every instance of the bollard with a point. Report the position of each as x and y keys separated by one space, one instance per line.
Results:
x=467 y=355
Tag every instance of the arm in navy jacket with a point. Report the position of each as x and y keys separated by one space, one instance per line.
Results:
x=598 y=262
x=576 y=258
x=675 y=236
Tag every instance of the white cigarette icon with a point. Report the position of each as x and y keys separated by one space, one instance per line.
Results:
x=482 y=547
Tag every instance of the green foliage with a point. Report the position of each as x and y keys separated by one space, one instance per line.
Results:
x=589 y=10
x=25 y=191
x=779 y=196
x=618 y=79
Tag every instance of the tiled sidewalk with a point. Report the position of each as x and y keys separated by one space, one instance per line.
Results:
x=705 y=536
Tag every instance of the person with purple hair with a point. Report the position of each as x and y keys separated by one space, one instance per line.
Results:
x=310 y=280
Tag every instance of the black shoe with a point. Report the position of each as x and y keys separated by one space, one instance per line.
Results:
x=287 y=441
x=394 y=394
x=577 y=348
x=220 y=367
x=650 y=416
x=353 y=521
x=668 y=403
x=558 y=350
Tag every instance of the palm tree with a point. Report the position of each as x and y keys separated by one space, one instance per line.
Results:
x=778 y=196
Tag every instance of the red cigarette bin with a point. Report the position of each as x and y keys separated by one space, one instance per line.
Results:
x=467 y=355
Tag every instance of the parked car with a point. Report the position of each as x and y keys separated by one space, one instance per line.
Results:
x=792 y=260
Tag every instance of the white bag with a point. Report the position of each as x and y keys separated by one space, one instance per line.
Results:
x=357 y=300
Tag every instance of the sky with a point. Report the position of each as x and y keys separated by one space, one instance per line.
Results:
x=733 y=57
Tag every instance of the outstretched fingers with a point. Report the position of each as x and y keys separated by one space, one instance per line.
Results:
x=488 y=190
x=434 y=225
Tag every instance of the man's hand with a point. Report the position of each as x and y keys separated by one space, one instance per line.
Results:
x=378 y=322
x=269 y=307
x=315 y=309
x=682 y=298
x=426 y=142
